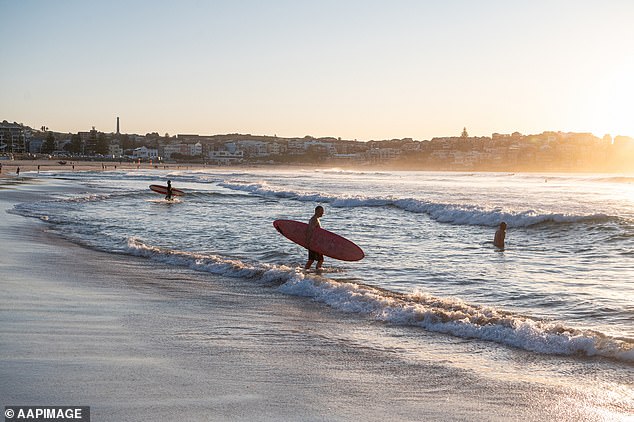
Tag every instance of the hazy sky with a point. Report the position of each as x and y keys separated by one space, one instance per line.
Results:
x=345 y=68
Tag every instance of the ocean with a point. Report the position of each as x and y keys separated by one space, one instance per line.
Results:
x=555 y=306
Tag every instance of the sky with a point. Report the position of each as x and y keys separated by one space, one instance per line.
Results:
x=355 y=69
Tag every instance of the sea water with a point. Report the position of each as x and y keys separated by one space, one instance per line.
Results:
x=557 y=302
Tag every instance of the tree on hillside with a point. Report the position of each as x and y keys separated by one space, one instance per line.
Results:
x=74 y=146
x=101 y=147
x=49 y=144
x=126 y=143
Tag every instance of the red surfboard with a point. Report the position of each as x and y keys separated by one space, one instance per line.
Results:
x=323 y=241
x=163 y=190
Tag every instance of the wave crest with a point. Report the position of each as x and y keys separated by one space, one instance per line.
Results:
x=462 y=214
x=445 y=315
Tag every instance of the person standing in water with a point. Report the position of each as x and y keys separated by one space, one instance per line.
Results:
x=313 y=224
x=500 y=235
x=169 y=190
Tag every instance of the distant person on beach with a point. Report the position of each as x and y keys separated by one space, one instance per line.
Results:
x=169 y=190
x=313 y=224
x=17 y=172
x=500 y=234
x=0 y=168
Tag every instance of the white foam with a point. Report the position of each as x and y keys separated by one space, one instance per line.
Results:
x=213 y=263
x=452 y=316
x=444 y=315
x=461 y=214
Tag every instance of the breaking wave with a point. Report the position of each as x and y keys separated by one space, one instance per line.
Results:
x=444 y=315
x=461 y=214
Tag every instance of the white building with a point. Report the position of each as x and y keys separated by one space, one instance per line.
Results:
x=226 y=157
x=253 y=148
x=13 y=137
x=296 y=145
x=196 y=149
x=145 y=153
x=115 y=150
x=383 y=154
x=277 y=148
x=170 y=149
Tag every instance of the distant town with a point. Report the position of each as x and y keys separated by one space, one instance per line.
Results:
x=547 y=151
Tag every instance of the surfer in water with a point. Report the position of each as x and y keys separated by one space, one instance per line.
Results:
x=313 y=224
x=500 y=234
x=169 y=190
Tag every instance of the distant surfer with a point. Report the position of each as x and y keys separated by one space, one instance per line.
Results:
x=500 y=234
x=313 y=224
x=169 y=190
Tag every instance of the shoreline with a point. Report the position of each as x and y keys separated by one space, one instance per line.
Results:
x=139 y=340
x=9 y=167
x=136 y=340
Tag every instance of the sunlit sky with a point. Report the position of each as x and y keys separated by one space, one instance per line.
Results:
x=344 y=68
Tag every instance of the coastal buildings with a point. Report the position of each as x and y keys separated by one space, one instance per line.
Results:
x=548 y=151
x=145 y=153
x=14 y=138
x=226 y=157
x=115 y=150
x=89 y=141
x=172 y=151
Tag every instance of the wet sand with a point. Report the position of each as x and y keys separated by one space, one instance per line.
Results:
x=138 y=341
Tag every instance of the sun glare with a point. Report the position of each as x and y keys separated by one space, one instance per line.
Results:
x=614 y=102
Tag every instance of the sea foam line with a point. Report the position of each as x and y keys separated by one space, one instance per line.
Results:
x=463 y=214
x=445 y=315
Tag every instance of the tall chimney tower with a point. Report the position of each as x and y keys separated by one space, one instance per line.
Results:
x=117 y=125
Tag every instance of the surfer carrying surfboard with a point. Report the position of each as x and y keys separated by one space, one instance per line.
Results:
x=313 y=224
x=169 y=190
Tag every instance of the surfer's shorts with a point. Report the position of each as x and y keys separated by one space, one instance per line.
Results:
x=314 y=256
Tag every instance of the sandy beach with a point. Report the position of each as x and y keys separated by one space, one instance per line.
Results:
x=9 y=167
x=137 y=340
